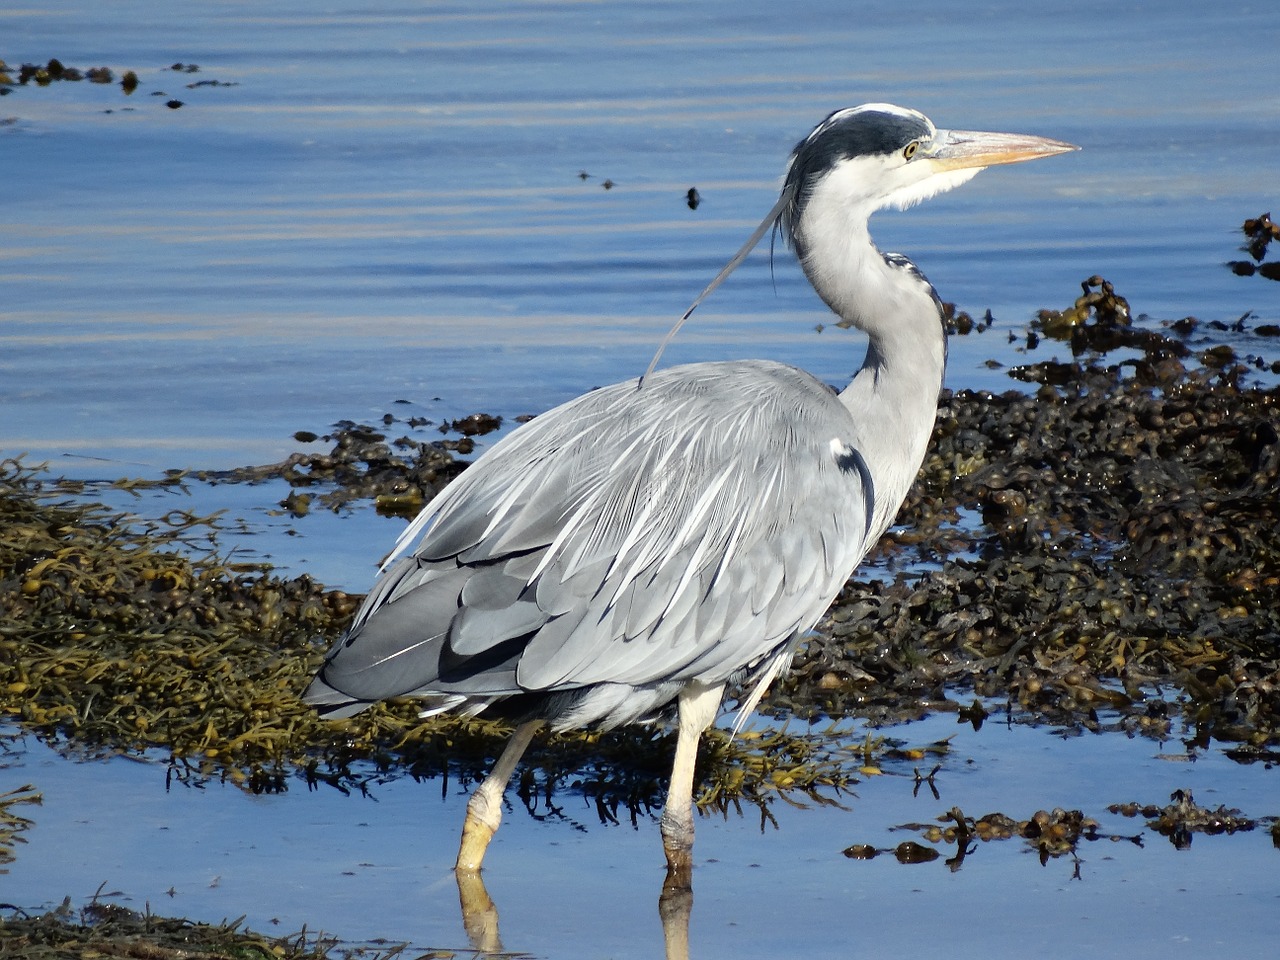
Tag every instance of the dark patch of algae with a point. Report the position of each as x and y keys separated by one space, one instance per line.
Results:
x=103 y=930
x=1059 y=833
x=117 y=636
x=1121 y=550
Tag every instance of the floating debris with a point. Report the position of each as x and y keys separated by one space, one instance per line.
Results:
x=693 y=198
x=1050 y=833
x=1182 y=817
x=1259 y=232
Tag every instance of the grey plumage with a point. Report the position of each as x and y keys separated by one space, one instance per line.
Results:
x=655 y=542
x=618 y=540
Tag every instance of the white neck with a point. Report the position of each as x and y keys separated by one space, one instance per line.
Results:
x=894 y=396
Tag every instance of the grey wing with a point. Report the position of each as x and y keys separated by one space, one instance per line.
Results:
x=688 y=530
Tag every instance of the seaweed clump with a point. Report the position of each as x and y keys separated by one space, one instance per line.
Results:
x=1050 y=833
x=1182 y=817
x=1259 y=231
x=107 y=930
x=121 y=636
x=399 y=475
x=1114 y=533
x=54 y=71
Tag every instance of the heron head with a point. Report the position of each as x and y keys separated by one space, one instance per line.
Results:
x=877 y=155
x=863 y=158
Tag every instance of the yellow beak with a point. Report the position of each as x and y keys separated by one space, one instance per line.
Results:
x=962 y=149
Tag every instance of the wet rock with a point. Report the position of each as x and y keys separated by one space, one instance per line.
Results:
x=861 y=851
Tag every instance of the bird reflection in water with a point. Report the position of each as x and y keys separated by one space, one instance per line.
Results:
x=480 y=917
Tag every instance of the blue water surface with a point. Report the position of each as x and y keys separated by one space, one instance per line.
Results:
x=383 y=203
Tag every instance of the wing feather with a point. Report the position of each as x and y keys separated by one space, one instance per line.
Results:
x=691 y=529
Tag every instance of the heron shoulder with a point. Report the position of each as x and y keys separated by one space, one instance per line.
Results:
x=695 y=417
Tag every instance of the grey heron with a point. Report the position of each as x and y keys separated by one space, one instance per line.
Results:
x=653 y=543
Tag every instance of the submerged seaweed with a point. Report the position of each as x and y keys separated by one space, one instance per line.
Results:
x=1058 y=833
x=118 y=636
x=12 y=823
x=1116 y=552
x=1123 y=539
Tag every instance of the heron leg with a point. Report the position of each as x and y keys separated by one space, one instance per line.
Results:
x=484 y=809
x=698 y=704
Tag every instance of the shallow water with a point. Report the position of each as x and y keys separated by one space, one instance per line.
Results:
x=568 y=886
x=386 y=206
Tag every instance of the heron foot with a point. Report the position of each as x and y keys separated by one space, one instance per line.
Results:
x=677 y=844
x=476 y=834
x=484 y=809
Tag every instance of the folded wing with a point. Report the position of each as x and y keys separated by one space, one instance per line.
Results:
x=691 y=529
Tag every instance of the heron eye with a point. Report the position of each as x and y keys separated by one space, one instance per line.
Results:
x=910 y=149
